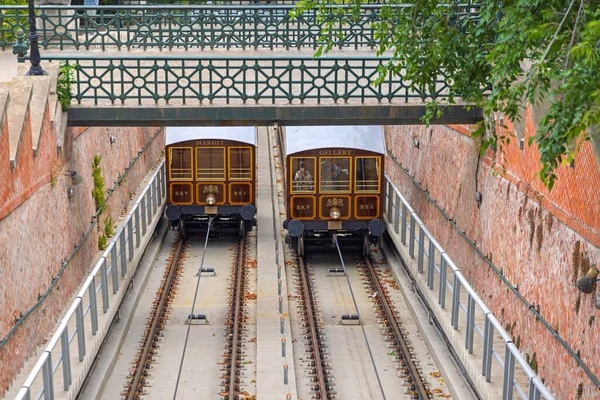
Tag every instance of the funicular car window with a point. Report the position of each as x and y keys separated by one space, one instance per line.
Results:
x=335 y=174
x=240 y=166
x=303 y=175
x=210 y=163
x=367 y=174
x=180 y=167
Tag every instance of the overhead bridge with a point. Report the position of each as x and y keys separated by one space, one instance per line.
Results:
x=160 y=90
x=243 y=64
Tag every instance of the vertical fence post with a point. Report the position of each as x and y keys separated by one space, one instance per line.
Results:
x=104 y=282
x=421 y=257
x=509 y=373
x=114 y=268
x=151 y=200
x=534 y=393
x=93 y=306
x=430 y=264
x=137 y=225
x=403 y=226
x=396 y=212
x=66 y=358
x=158 y=188
x=130 y=237
x=411 y=239
x=455 y=302
x=488 y=348
x=470 y=328
x=148 y=206
x=389 y=201
x=123 y=249
x=143 y=212
x=80 y=329
x=154 y=187
x=442 y=291
x=159 y=177
x=48 y=381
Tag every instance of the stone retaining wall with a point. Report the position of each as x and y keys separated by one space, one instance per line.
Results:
x=42 y=231
x=542 y=242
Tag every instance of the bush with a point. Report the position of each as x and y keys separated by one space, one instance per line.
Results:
x=109 y=227
x=98 y=191
x=63 y=85
x=102 y=242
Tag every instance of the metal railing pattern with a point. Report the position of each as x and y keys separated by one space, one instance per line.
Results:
x=433 y=262
x=200 y=26
x=185 y=27
x=233 y=79
x=93 y=298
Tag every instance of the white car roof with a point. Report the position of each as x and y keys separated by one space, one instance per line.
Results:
x=364 y=137
x=177 y=134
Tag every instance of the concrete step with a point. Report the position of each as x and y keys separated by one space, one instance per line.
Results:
x=20 y=97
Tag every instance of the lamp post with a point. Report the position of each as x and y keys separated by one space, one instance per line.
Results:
x=36 y=68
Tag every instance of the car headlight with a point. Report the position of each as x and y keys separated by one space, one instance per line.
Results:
x=334 y=212
x=210 y=199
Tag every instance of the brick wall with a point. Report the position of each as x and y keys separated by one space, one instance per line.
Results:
x=40 y=226
x=31 y=172
x=542 y=242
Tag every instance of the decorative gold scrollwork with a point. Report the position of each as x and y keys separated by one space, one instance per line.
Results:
x=335 y=202
x=214 y=189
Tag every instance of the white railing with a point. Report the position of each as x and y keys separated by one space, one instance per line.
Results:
x=84 y=311
x=480 y=324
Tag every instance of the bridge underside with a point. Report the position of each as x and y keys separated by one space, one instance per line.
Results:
x=391 y=114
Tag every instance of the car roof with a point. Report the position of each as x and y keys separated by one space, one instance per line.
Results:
x=177 y=134
x=364 y=137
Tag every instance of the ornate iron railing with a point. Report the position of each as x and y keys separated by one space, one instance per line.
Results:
x=195 y=26
x=270 y=80
x=183 y=27
x=229 y=2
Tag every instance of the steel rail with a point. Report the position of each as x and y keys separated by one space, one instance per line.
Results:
x=322 y=387
x=390 y=316
x=136 y=383
x=237 y=319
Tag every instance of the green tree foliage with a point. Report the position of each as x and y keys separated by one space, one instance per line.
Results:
x=499 y=55
x=13 y=2
x=12 y=20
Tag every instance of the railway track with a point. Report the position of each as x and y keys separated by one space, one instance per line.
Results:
x=409 y=368
x=321 y=388
x=140 y=369
x=235 y=321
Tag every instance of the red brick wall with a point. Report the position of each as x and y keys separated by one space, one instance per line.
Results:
x=30 y=172
x=40 y=226
x=542 y=242
x=5 y=182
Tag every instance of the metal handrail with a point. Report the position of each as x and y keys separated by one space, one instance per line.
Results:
x=405 y=221
x=192 y=26
x=145 y=208
x=185 y=27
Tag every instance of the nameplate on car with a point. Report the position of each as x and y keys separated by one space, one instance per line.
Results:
x=210 y=209
x=334 y=225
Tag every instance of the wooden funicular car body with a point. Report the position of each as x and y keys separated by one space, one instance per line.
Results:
x=334 y=184
x=211 y=175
